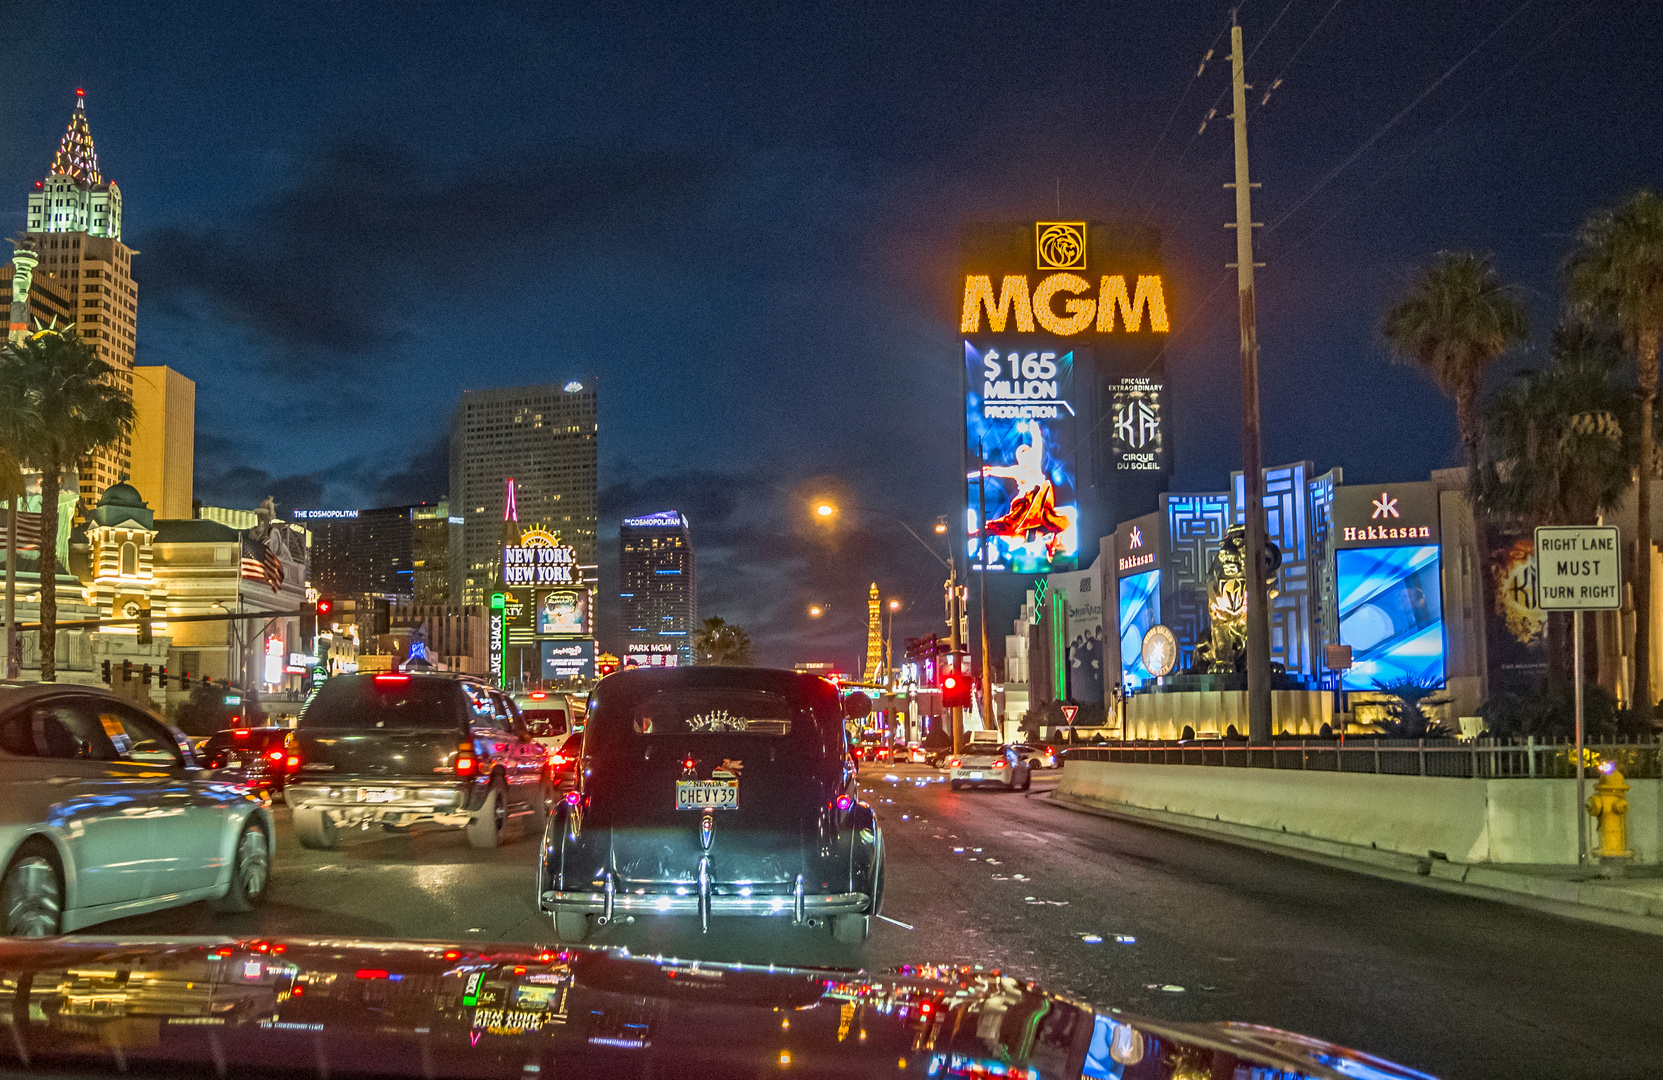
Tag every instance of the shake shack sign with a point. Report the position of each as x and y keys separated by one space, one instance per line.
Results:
x=1385 y=515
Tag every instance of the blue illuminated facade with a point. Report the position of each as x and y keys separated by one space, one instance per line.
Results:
x=1391 y=614
x=656 y=594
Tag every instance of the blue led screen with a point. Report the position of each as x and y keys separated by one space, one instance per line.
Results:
x=1391 y=614
x=1140 y=609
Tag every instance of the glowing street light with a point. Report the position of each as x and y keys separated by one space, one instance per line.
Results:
x=894 y=605
x=816 y=610
x=941 y=526
x=825 y=510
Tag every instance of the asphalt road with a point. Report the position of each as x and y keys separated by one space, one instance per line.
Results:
x=1106 y=911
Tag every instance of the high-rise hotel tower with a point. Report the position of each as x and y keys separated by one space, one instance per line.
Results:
x=74 y=227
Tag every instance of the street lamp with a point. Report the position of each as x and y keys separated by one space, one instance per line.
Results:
x=816 y=610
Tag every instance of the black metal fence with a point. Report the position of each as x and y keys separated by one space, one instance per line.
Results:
x=1483 y=758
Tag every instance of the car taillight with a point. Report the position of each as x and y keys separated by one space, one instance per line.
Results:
x=465 y=764
x=293 y=764
x=560 y=759
x=955 y=763
x=998 y=764
x=845 y=801
x=274 y=755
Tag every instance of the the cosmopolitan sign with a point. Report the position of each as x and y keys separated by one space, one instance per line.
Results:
x=540 y=566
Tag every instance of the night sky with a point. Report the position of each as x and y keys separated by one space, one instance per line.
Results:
x=742 y=219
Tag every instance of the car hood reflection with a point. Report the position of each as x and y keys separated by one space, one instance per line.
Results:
x=322 y=1007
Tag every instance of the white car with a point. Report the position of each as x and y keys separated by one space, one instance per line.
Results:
x=547 y=715
x=104 y=813
x=989 y=766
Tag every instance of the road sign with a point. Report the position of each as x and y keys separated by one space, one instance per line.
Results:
x=1069 y=712
x=1336 y=657
x=1578 y=568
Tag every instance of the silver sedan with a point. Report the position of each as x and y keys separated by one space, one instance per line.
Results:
x=104 y=814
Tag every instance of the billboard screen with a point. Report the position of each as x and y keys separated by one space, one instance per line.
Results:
x=1138 y=442
x=1020 y=422
x=1391 y=614
x=568 y=659
x=563 y=612
x=1140 y=609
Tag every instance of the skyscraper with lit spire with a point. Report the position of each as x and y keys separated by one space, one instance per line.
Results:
x=74 y=226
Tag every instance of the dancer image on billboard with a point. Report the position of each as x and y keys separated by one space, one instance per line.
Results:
x=1032 y=515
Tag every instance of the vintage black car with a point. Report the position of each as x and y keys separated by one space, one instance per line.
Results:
x=714 y=791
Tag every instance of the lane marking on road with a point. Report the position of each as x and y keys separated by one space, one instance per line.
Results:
x=897 y=922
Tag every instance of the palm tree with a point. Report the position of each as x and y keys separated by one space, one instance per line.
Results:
x=1560 y=445
x=1614 y=273
x=720 y=643
x=1456 y=319
x=78 y=408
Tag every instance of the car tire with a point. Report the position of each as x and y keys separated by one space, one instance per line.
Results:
x=955 y=784
x=851 y=929
x=485 y=827
x=1034 y=764
x=32 y=894
x=250 y=870
x=572 y=927
x=314 y=829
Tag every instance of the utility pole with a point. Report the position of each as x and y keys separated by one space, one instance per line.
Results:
x=8 y=667
x=1253 y=480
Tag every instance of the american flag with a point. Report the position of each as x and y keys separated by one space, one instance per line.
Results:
x=260 y=563
x=28 y=530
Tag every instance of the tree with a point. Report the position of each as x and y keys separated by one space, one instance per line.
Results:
x=1456 y=319
x=722 y=644
x=77 y=408
x=1406 y=714
x=1614 y=274
x=1559 y=445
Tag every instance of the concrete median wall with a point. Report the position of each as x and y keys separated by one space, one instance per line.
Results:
x=1471 y=821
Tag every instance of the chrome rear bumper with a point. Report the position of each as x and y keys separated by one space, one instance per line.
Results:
x=720 y=904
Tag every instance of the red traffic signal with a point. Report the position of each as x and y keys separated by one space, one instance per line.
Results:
x=957 y=690
x=326 y=605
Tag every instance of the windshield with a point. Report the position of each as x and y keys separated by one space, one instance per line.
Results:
x=372 y=702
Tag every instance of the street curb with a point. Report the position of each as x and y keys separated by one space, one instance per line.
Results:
x=1588 y=901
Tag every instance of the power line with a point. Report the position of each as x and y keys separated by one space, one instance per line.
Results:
x=1149 y=157
x=1457 y=114
x=1277 y=81
x=1388 y=125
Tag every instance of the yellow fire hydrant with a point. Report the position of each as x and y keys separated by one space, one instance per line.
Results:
x=1608 y=805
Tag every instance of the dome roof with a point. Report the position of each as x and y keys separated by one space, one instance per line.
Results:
x=122 y=494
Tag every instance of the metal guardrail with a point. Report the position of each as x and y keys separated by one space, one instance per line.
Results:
x=1482 y=759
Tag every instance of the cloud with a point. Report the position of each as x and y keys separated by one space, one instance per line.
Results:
x=317 y=268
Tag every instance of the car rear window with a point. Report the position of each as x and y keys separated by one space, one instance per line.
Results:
x=369 y=702
x=544 y=722
x=713 y=712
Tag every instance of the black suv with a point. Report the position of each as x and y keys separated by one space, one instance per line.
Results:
x=400 y=750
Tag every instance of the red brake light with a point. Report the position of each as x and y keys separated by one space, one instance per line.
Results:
x=274 y=755
x=559 y=759
x=298 y=991
x=998 y=764
x=538 y=695
x=372 y=973
x=465 y=764
x=954 y=763
x=239 y=733
x=392 y=678
x=687 y=763
x=293 y=764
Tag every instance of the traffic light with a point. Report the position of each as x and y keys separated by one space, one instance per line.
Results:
x=126 y=671
x=185 y=680
x=106 y=673
x=956 y=689
x=325 y=607
x=145 y=637
x=145 y=673
x=161 y=677
x=308 y=622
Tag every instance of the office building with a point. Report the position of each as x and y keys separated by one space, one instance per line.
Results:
x=431 y=526
x=164 y=439
x=369 y=552
x=657 y=591
x=73 y=225
x=544 y=438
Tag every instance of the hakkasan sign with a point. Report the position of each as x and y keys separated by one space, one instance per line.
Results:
x=1059 y=319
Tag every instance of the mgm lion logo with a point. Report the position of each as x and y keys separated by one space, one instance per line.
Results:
x=1061 y=245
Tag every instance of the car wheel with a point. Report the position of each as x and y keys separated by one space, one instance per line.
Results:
x=250 y=870
x=1034 y=764
x=955 y=784
x=851 y=929
x=485 y=827
x=572 y=926
x=32 y=895
x=314 y=829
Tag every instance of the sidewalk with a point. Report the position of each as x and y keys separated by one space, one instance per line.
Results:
x=1634 y=902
